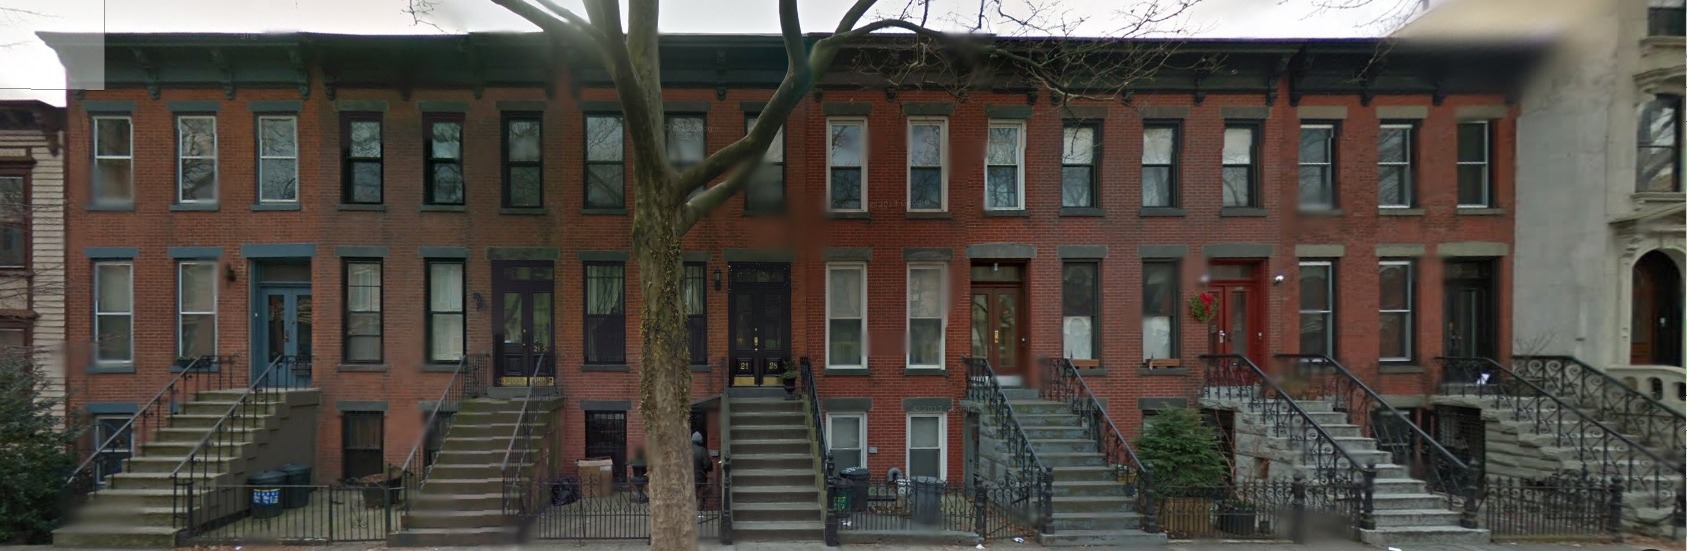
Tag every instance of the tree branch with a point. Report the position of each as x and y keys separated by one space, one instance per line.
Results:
x=556 y=20
x=855 y=13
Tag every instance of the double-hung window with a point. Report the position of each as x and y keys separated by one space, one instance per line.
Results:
x=694 y=295
x=846 y=162
x=1159 y=309
x=14 y=222
x=445 y=311
x=361 y=158
x=1659 y=158
x=928 y=147
x=1159 y=164
x=846 y=315
x=1396 y=302
x=1240 y=171
x=196 y=309
x=685 y=140
x=114 y=158
x=1004 y=166
x=114 y=312
x=1394 y=166
x=846 y=435
x=524 y=175
x=444 y=156
x=606 y=153
x=278 y=159
x=362 y=328
x=196 y=159
x=1317 y=167
x=606 y=313
x=927 y=310
x=1317 y=307
x=1079 y=151
x=1079 y=304
x=1475 y=177
x=927 y=440
x=766 y=191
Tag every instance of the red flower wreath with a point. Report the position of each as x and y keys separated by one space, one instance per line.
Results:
x=1203 y=307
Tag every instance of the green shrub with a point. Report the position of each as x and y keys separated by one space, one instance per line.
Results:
x=35 y=453
x=1183 y=453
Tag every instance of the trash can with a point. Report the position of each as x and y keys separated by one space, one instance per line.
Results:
x=927 y=499
x=855 y=486
x=266 y=493
x=297 y=493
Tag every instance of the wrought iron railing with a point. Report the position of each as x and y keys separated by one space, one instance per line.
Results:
x=1262 y=509
x=1234 y=377
x=912 y=506
x=1028 y=480
x=726 y=452
x=1625 y=408
x=191 y=482
x=817 y=418
x=1063 y=383
x=1446 y=474
x=1593 y=447
x=294 y=515
x=1559 y=509
x=578 y=510
x=465 y=384
x=527 y=464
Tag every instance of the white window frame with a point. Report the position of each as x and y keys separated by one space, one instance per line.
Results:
x=130 y=266
x=1487 y=164
x=181 y=304
x=858 y=121
x=294 y=120
x=1330 y=294
x=830 y=266
x=130 y=176
x=1019 y=126
x=861 y=428
x=942 y=443
x=1410 y=311
x=1406 y=186
x=1329 y=184
x=942 y=124
x=181 y=156
x=943 y=319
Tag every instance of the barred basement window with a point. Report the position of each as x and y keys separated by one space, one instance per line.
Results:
x=363 y=438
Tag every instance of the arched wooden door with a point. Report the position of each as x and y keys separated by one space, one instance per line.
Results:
x=1655 y=334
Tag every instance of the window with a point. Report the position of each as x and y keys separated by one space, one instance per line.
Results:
x=846 y=161
x=1394 y=166
x=196 y=309
x=1317 y=155
x=1078 y=151
x=846 y=315
x=14 y=222
x=362 y=437
x=1396 y=304
x=1659 y=159
x=1473 y=164
x=114 y=312
x=694 y=292
x=1159 y=164
x=1004 y=160
x=114 y=157
x=606 y=318
x=685 y=140
x=606 y=185
x=847 y=436
x=1239 y=171
x=278 y=159
x=113 y=443
x=360 y=152
x=1317 y=308
x=363 y=311
x=524 y=175
x=1078 y=305
x=196 y=159
x=766 y=189
x=927 y=310
x=1666 y=18
x=928 y=147
x=444 y=172
x=445 y=311
x=1159 y=309
x=14 y=338
x=927 y=437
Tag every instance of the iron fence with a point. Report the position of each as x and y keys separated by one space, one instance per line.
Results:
x=1031 y=481
x=1552 y=509
x=1285 y=510
x=887 y=508
x=609 y=510
x=296 y=515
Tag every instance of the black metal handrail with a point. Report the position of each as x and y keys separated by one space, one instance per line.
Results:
x=464 y=384
x=1593 y=443
x=202 y=374
x=1233 y=376
x=1449 y=477
x=521 y=476
x=1651 y=421
x=1063 y=383
x=225 y=438
x=1029 y=480
x=726 y=452
x=817 y=417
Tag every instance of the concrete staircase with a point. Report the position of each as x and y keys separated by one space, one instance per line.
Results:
x=1406 y=513
x=1090 y=505
x=461 y=502
x=136 y=509
x=775 y=476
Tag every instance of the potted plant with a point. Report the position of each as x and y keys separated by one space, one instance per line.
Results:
x=637 y=466
x=788 y=377
x=1237 y=517
x=185 y=362
x=1188 y=471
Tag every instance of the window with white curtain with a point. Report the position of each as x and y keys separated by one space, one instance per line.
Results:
x=363 y=311
x=114 y=312
x=1159 y=309
x=1079 y=303
x=846 y=315
x=1396 y=303
x=1004 y=170
x=445 y=311
x=196 y=309
x=927 y=438
x=694 y=296
x=927 y=309
x=846 y=435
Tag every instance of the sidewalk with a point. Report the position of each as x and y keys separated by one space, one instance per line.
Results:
x=780 y=546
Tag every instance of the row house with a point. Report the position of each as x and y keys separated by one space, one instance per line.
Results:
x=32 y=239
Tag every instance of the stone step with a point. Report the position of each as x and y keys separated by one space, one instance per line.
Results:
x=1100 y=488
x=1071 y=459
x=1399 y=485
x=767 y=432
x=767 y=418
x=782 y=446
x=130 y=515
x=1064 y=521
x=503 y=431
x=161 y=480
x=1063 y=445
x=1416 y=517
x=774 y=494
x=776 y=511
x=194 y=435
x=454 y=537
x=468 y=456
x=213 y=462
x=1093 y=504
x=764 y=530
x=455 y=519
x=220 y=408
x=766 y=477
x=202 y=422
x=1019 y=393
x=1112 y=539
x=180 y=448
x=430 y=499
x=1085 y=473
x=1068 y=431
x=458 y=442
x=1409 y=536
x=1408 y=501
x=466 y=471
x=1039 y=407
x=1356 y=443
x=465 y=485
x=772 y=461
x=136 y=498
x=757 y=405
x=111 y=536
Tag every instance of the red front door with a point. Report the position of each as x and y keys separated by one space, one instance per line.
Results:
x=1241 y=307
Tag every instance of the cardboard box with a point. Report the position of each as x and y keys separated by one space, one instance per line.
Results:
x=597 y=477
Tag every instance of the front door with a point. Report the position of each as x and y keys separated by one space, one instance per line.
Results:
x=1239 y=329
x=760 y=312
x=286 y=336
x=1470 y=309
x=997 y=332
x=1655 y=335
x=522 y=310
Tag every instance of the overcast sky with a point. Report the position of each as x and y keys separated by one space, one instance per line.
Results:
x=28 y=69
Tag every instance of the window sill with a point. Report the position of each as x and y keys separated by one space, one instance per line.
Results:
x=929 y=215
x=111 y=368
x=606 y=368
x=362 y=206
x=849 y=215
x=925 y=372
x=275 y=207
x=194 y=207
x=1480 y=211
x=1163 y=371
x=522 y=211
x=431 y=367
x=699 y=368
x=1083 y=211
x=365 y=368
x=1007 y=213
x=1399 y=212
x=444 y=208
x=113 y=207
x=1399 y=369
x=845 y=372
x=1152 y=212
x=604 y=211
x=1317 y=212
x=1242 y=212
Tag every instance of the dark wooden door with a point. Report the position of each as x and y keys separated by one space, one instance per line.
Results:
x=1470 y=309
x=1655 y=320
x=522 y=314
x=759 y=310
x=998 y=328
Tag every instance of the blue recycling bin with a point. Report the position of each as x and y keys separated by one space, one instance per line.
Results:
x=266 y=493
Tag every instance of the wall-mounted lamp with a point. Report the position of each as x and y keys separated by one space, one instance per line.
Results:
x=717 y=279
x=479 y=302
x=1278 y=279
x=1204 y=279
x=228 y=273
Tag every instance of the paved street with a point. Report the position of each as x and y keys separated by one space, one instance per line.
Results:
x=1201 y=546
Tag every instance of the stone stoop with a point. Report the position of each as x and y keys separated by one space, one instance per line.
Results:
x=1406 y=513
x=136 y=509
x=775 y=483
x=460 y=502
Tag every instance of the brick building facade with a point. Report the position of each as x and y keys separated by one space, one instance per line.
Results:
x=247 y=195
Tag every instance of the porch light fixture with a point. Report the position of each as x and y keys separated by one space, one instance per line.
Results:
x=717 y=279
x=1205 y=278
x=1278 y=280
x=228 y=273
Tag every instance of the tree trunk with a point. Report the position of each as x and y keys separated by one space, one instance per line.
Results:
x=664 y=370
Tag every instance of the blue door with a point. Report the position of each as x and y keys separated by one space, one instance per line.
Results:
x=286 y=337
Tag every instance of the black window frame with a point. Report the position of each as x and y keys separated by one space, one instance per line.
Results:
x=348 y=162
x=588 y=163
x=1332 y=178
x=346 y=311
x=1172 y=187
x=615 y=322
x=696 y=323
x=1176 y=268
x=1674 y=104
x=751 y=208
x=429 y=313
x=506 y=165
x=1255 y=131
x=1094 y=298
x=1094 y=166
x=429 y=120
x=1487 y=164
x=1408 y=186
x=1666 y=21
x=375 y=456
